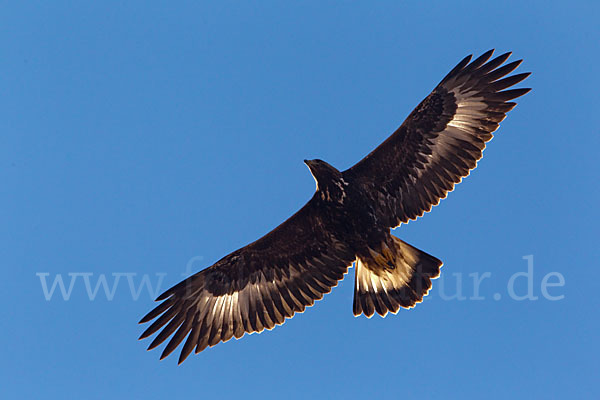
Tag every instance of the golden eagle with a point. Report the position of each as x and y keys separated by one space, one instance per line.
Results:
x=349 y=219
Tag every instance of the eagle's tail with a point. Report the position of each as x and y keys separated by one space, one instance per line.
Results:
x=393 y=276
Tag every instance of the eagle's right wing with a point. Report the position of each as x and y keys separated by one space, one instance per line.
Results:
x=253 y=288
x=440 y=141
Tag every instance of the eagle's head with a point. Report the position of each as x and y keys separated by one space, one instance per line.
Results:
x=330 y=184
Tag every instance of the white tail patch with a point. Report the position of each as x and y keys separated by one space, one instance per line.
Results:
x=392 y=277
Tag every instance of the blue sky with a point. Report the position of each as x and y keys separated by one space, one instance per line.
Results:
x=141 y=137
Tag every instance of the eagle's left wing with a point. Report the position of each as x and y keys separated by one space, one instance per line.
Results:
x=440 y=141
x=253 y=288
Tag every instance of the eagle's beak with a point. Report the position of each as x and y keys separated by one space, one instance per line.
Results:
x=309 y=164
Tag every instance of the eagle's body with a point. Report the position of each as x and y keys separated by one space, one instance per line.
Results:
x=349 y=219
x=347 y=206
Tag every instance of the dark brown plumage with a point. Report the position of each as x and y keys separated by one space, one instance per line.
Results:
x=348 y=219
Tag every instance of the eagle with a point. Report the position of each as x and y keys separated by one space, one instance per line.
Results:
x=349 y=220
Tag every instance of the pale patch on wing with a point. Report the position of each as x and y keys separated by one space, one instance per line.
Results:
x=452 y=153
x=261 y=304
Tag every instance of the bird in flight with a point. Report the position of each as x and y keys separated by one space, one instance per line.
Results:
x=348 y=220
